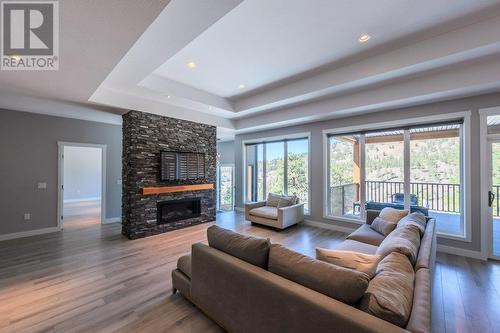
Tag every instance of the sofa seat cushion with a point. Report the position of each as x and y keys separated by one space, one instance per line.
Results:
x=390 y=293
x=266 y=212
x=250 y=249
x=343 y=284
x=366 y=234
x=404 y=240
x=355 y=246
x=366 y=263
x=184 y=264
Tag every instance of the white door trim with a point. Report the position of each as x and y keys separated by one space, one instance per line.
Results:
x=60 y=178
x=484 y=155
x=219 y=183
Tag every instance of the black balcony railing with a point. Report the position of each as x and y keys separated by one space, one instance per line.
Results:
x=440 y=197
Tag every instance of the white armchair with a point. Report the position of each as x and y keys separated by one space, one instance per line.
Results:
x=277 y=217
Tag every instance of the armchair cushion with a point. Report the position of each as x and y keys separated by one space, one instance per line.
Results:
x=267 y=212
x=286 y=201
x=273 y=199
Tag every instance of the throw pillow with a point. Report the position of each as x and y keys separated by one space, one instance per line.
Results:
x=383 y=226
x=392 y=214
x=366 y=263
x=416 y=219
x=343 y=284
x=273 y=199
x=250 y=249
x=404 y=240
x=390 y=293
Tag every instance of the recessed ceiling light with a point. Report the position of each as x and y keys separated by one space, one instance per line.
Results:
x=364 y=38
x=191 y=64
x=16 y=57
x=241 y=86
x=168 y=96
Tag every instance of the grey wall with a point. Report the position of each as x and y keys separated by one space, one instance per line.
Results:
x=316 y=200
x=226 y=152
x=82 y=173
x=28 y=150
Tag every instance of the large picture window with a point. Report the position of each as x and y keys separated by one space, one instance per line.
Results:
x=417 y=167
x=278 y=166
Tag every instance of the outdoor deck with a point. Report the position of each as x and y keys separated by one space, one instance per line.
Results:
x=450 y=223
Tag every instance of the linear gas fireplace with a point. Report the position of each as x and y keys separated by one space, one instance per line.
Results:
x=176 y=210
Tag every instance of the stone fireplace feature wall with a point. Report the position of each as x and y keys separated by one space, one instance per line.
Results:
x=144 y=137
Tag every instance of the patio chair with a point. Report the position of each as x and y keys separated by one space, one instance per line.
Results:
x=400 y=198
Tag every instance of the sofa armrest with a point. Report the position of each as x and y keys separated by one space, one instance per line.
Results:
x=251 y=205
x=291 y=215
x=371 y=215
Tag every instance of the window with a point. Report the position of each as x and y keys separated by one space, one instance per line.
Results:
x=278 y=166
x=418 y=168
x=344 y=176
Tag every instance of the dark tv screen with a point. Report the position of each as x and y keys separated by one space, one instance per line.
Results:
x=182 y=166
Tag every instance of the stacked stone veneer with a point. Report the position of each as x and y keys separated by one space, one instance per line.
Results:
x=144 y=137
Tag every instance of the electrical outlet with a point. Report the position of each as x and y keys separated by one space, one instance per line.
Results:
x=27 y=216
x=42 y=186
x=119 y=182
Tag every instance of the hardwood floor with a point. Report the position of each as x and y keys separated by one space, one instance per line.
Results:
x=91 y=278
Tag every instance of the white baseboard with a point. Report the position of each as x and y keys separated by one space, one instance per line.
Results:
x=83 y=199
x=329 y=226
x=112 y=220
x=461 y=252
x=29 y=233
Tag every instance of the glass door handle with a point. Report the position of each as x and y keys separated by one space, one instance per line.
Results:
x=491 y=197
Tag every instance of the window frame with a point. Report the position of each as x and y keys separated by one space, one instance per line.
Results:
x=465 y=144
x=294 y=136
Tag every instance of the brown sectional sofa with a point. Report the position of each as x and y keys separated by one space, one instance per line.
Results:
x=243 y=297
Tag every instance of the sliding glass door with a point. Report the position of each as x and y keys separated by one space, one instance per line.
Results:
x=419 y=168
x=278 y=166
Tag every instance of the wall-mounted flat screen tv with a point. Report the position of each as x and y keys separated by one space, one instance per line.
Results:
x=182 y=166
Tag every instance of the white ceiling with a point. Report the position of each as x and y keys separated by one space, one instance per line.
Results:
x=299 y=60
x=261 y=42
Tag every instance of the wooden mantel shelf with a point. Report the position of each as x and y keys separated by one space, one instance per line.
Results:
x=179 y=188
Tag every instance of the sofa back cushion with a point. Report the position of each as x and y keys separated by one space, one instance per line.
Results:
x=390 y=293
x=404 y=240
x=416 y=219
x=343 y=284
x=250 y=249
x=366 y=263
x=273 y=199
x=382 y=226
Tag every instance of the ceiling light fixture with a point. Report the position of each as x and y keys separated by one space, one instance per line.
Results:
x=168 y=96
x=241 y=86
x=16 y=57
x=364 y=38
x=191 y=64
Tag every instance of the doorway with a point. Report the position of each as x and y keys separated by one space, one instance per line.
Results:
x=493 y=196
x=225 y=187
x=81 y=184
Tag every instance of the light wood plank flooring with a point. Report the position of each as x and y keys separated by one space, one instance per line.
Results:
x=90 y=278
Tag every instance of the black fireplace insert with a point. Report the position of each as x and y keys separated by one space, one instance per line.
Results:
x=176 y=210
